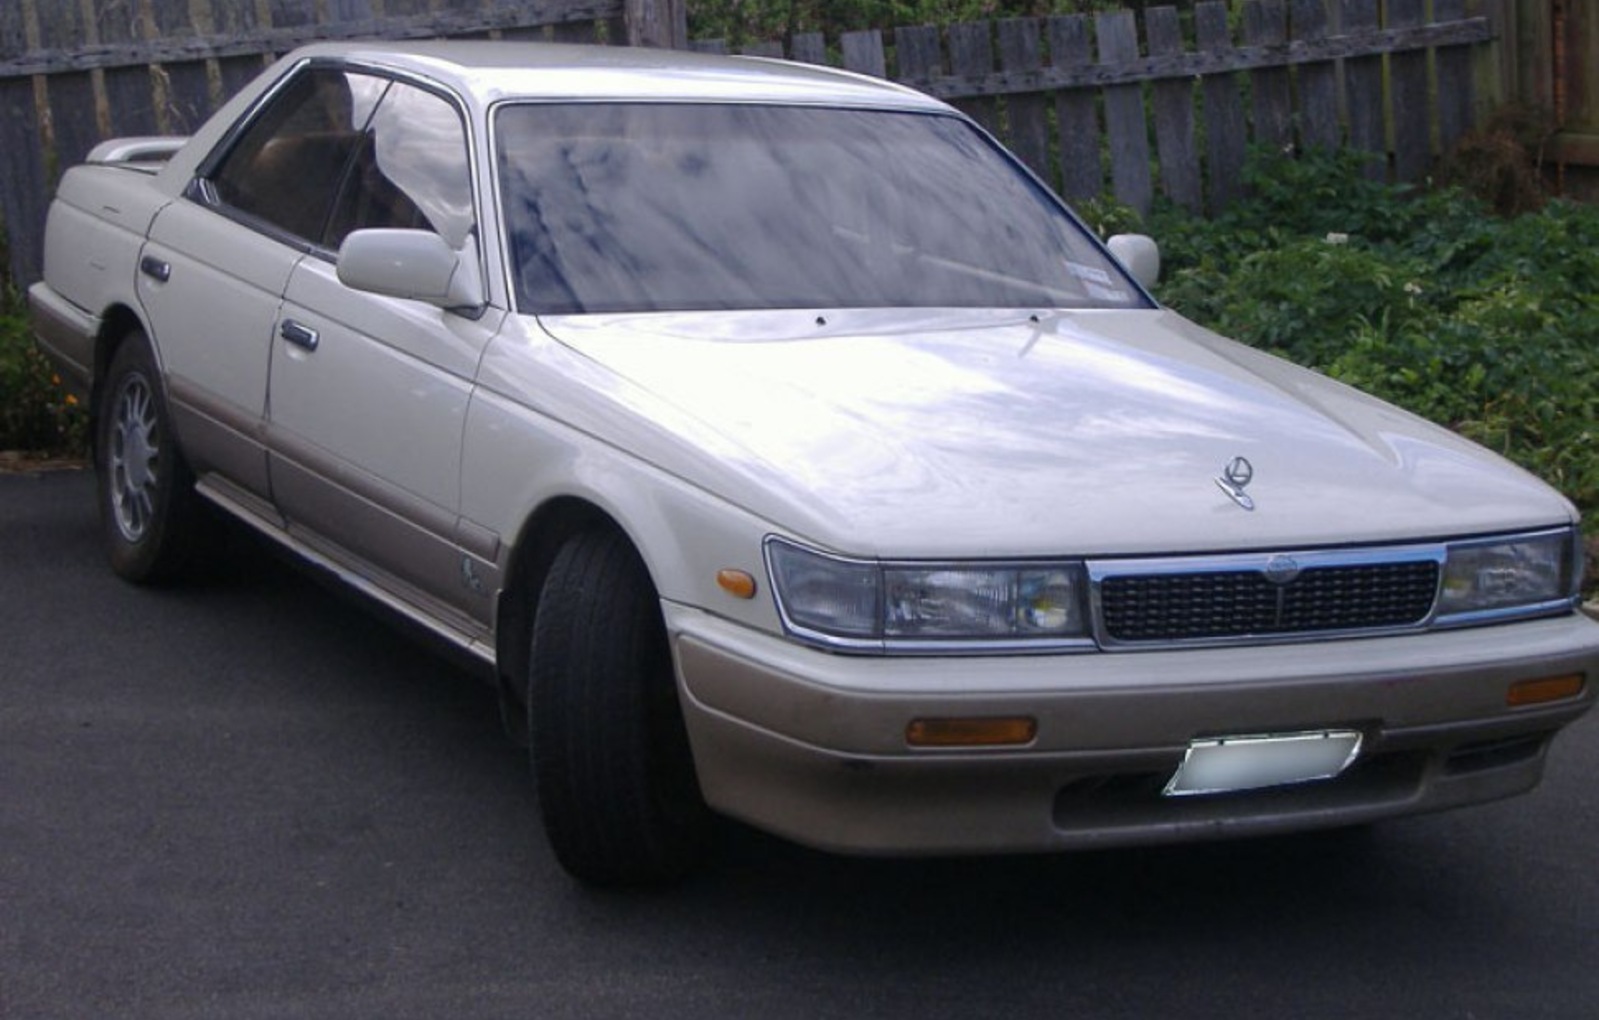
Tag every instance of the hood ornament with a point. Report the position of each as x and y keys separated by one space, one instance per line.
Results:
x=1234 y=478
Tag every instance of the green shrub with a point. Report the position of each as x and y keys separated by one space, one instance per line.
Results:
x=37 y=416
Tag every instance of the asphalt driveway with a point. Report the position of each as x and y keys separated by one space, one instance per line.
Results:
x=248 y=797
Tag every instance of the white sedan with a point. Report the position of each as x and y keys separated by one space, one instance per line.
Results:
x=786 y=451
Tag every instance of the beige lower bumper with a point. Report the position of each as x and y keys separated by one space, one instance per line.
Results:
x=812 y=746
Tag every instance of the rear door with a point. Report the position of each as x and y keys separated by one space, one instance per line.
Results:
x=213 y=272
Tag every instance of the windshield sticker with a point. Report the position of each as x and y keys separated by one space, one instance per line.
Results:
x=1096 y=282
x=1089 y=274
x=1105 y=293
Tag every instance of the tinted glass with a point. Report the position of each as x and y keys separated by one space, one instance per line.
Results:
x=635 y=207
x=411 y=171
x=287 y=166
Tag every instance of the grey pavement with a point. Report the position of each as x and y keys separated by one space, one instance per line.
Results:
x=249 y=797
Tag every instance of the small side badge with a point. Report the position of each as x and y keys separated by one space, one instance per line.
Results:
x=1234 y=478
x=469 y=577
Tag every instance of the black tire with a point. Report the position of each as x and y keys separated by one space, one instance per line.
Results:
x=610 y=755
x=146 y=492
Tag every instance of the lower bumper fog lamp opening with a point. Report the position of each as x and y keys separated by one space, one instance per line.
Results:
x=1010 y=731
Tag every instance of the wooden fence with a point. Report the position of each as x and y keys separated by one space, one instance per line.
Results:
x=1085 y=100
x=75 y=72
x=1078 y=98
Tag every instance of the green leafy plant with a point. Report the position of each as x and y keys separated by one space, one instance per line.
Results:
x=37 y=416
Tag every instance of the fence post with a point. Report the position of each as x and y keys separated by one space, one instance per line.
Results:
x=659 y=23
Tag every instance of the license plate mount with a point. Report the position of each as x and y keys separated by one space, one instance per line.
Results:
x=1215 y=765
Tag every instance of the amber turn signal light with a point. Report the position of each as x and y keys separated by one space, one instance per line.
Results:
x=737 y=583
x=1544 y=689
x=981 y=732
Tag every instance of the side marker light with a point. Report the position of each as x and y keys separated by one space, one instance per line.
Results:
x=737 y=583
x=979 y=732
x=1544 y=690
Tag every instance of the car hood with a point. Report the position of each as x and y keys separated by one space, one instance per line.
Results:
x=997 y=433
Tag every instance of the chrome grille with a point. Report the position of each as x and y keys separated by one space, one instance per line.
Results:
x=1169 y=606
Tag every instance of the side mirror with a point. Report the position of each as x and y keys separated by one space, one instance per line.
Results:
x=416 y=264
x=1139 y=255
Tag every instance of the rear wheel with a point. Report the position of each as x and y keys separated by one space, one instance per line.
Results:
x=146 y=492
x=610 y=755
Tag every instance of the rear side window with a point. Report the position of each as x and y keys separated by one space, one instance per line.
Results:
x=289 y=164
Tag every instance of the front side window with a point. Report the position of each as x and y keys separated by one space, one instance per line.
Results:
x=630 y=207
x=411 y=171
x=288 y=165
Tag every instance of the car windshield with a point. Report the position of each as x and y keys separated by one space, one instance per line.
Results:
x=634 y=207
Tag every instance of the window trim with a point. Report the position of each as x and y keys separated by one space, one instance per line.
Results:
x=202 y=191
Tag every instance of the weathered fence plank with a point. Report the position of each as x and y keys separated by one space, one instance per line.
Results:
x=183 y=89
x=1076 y=113
x=13 y=33
x=22 y=164
x=809 y=47
x=21 y=157
x=235 y=19
x=1408 y=74
x=71 y=95
x=649 y=23
x=1174 y=114
x=576 y=32
x=293 y=13
x=1363 y=91
x=1026 y=114
x=1456 y=92
x=1226 y=134
x=916 y=50
x=863 y=52
x=129 y=90
x=1319 y=125
x=1266 y=25
x=1124 y=114
x=971 y=56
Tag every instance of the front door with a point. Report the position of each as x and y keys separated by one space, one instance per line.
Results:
x=368 y=394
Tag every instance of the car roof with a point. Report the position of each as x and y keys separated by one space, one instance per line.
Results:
x=492 y=71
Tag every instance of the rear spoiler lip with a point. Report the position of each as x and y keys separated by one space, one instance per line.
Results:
x=143 y=149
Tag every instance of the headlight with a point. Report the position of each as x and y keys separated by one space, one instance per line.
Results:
x=826 y=595
x=866 y=605
x=1509 y=576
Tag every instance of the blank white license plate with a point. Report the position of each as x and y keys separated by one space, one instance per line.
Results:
x=1231 y=764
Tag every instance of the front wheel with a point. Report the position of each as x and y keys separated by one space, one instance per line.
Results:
x=146 y=492
x=610 y=755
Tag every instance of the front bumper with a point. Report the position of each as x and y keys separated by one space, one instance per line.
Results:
x=811 y=745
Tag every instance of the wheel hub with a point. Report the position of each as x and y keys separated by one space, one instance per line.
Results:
x=135 y=450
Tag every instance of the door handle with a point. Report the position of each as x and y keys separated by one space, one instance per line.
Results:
x=300 y=336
